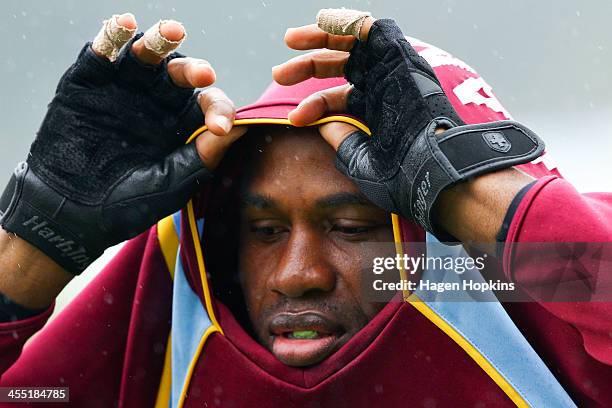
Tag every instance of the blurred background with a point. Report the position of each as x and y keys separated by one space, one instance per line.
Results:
x=549 y=62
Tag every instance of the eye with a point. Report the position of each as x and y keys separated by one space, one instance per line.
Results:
x=266 y=230
x=268 y=233
x=353 y=231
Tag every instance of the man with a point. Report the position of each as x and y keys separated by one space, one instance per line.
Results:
x=122 y=342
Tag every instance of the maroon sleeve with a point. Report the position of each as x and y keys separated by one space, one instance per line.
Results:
x=576 y=270
x=109 y=342
x=13 y=336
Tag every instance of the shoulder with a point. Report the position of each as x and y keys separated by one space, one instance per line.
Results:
x=471 y=96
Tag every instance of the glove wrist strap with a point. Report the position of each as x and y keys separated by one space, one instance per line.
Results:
x=31 y=209
x=461 y=153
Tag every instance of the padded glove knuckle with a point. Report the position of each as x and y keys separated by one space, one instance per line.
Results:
x=88 y=71
x=406 y=165
x=108 y=161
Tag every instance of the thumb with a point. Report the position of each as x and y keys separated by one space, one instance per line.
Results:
x=355 y=160
x=335 y=133
x=211 y=148
x=154 y=191
x=354 y=156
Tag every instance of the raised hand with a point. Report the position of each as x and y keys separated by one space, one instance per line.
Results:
x=419 y=145
x=109 y=159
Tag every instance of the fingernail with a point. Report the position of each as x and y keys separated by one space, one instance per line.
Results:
x=155 y=41
x=111 y=38
x=172 y=30
x=291 y=118
x=127 y=21
x=224 y=123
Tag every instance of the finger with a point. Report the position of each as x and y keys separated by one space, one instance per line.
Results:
x=127 y=21
x=115 y=32
x=335 y=133
x=311 y=37
x=219 y=111
x=212 y=147
x=159 y=41
x=365 y=28
x=191 y=72
x=319 y=104
x=318 y=64
x=345 y=22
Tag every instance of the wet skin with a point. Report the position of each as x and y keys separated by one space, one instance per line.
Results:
x=302 y=227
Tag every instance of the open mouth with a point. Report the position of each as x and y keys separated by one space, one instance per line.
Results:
x=301 y=339
x=304 y=335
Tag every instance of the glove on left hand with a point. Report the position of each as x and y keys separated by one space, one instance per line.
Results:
x=405 y=165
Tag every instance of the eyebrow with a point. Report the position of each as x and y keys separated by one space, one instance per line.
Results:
x=335 y=200
x=341 y=199
x=256 y=200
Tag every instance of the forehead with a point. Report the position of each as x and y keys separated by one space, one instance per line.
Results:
x=295 y=160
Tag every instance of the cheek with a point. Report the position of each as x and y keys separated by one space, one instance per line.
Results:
x=353 y=263
x=348 y=262
x=255 y=266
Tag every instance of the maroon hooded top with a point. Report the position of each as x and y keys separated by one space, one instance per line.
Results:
x=114 y=345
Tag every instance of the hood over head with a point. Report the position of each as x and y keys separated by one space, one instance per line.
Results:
x=470 y=95
x=201 y=237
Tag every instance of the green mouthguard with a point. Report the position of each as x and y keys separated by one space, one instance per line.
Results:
x=304 y=334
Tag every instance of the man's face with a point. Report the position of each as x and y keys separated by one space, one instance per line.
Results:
x=303 y=224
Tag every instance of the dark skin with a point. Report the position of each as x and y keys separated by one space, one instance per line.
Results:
x=298 y=258
x=34 y=280
x=302 y=229
x=472 y=211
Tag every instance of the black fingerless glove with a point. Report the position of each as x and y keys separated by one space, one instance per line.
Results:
x=405 y=165
x=109 y=159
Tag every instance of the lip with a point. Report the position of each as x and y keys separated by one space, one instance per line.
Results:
x=303 y=352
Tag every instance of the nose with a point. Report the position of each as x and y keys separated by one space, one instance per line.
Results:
x=303 y=266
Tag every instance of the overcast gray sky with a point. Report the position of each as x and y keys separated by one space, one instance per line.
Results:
x=549 y=62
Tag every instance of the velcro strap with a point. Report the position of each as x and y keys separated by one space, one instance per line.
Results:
x=486 y=147
x=461 y=153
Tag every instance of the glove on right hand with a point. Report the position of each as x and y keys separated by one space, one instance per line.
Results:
x=108 y=161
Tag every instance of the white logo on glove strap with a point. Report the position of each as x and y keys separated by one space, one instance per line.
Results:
x=497 y=141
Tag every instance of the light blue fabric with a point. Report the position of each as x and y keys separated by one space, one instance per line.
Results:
x=189 y=322
x=477 y=316
x=485 y=324
x=176 y=219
